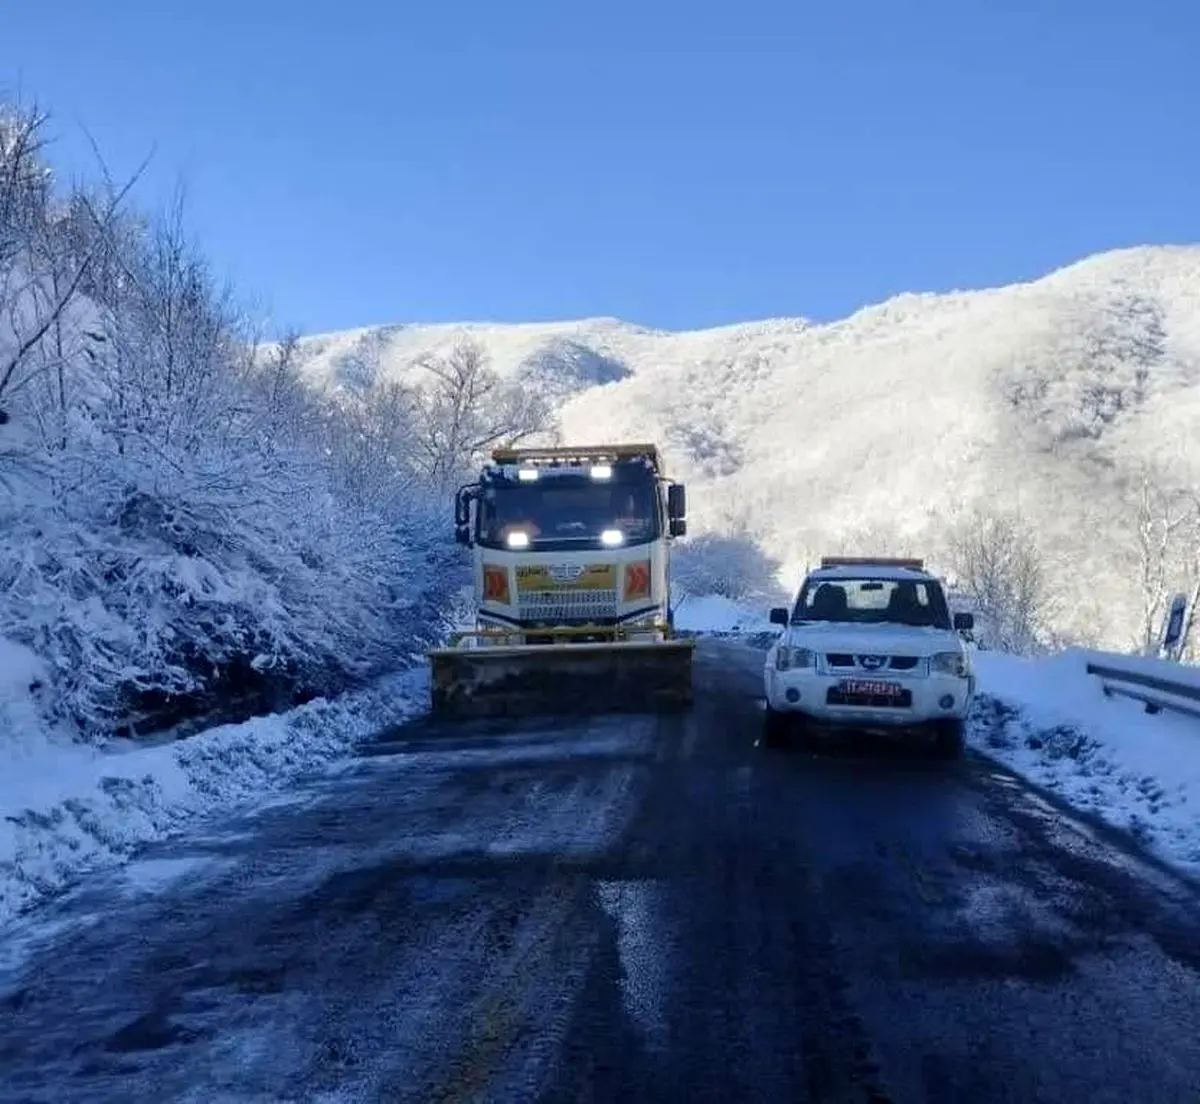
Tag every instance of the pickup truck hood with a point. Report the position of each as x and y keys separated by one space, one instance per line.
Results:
x=823 y=636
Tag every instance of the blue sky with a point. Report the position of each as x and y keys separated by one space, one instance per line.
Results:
x=673 y=164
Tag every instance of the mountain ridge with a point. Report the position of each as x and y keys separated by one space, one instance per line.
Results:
x=1044 y=398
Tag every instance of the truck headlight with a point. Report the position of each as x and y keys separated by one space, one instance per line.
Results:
x=793 y=658
x=955 y=664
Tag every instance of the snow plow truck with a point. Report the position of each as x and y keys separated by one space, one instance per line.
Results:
x=571 y=551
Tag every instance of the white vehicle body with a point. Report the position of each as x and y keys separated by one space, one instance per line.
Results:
x=853 y=653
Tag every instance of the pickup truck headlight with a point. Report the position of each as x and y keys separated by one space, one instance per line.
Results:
x=955 y=664
x=788 y=658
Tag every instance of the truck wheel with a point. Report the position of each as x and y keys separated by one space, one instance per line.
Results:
x=776 y=728
x=949 y=739
x=803 y=734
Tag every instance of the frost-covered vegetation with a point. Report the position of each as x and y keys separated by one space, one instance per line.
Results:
x=727 y=565
x=188 y=531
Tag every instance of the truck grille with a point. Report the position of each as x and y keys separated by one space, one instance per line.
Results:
x=559 y=606
x=843 y=660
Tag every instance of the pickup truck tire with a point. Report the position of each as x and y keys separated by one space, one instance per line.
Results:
x=949 y=738
x=777 y=727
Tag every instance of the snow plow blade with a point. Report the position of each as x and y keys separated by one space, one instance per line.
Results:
x=610 y=676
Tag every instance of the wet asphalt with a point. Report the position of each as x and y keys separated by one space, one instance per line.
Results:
x=619 y=909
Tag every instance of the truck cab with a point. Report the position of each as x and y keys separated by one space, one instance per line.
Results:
x=572 y=543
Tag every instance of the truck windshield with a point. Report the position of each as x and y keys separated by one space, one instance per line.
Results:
x=873 y=602
x=563 y=512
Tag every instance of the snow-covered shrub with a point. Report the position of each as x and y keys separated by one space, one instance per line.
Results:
x=186 y=529
x=730 y=566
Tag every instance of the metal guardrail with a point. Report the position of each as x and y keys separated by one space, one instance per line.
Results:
x=1155 y=692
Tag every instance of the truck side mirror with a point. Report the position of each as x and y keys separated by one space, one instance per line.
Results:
x=964 y=622
x=678 y=527
x=779 y=616
x=676 y=502
x=462 y=505
x=462 y=535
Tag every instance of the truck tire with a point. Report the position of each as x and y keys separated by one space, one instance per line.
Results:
x=949 y=739
x=803 y=735
x=776 y=728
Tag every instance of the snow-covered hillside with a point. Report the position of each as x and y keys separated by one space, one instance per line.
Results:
x=1043 y=398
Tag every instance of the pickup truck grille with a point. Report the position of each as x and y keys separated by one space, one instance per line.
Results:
x=846 y=661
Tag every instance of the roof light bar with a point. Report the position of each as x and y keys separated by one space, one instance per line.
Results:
x=872 y=561
x=583 y=454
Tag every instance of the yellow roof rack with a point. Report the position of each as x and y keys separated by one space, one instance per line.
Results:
x=872 y=561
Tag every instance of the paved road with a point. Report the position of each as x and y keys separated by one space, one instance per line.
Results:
x=628 y=909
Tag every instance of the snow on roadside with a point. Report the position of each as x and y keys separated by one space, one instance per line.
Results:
x=1049 y=720
x=711 y=614
x=66 y=808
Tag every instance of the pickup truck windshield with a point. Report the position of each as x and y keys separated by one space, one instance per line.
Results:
x=873 y=602
x=557 y=511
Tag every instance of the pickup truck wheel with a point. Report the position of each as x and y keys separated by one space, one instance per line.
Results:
x=806 y=736
x=776 y=728
x=949 y=739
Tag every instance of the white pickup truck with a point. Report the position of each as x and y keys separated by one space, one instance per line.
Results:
x=870 y=644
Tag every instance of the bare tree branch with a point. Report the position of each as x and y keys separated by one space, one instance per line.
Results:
x=1161 y=518
x=995 y=559
x=64 y=299
x=466 y=408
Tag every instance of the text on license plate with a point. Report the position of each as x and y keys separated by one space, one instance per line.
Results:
x=871 y=688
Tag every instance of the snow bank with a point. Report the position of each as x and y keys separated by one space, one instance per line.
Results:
x=1050 y=721
x=22 y=674
x=713 y=614
x=66 y=808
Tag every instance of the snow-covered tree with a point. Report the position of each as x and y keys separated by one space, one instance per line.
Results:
x=731 y=565
x=463 y=408
x=994 y=559
x=1162 y=528
x=186 y=528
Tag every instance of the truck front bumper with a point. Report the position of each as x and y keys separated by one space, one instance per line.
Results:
x=829 y=699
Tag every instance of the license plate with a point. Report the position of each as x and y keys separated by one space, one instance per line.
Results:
x=870 y=688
